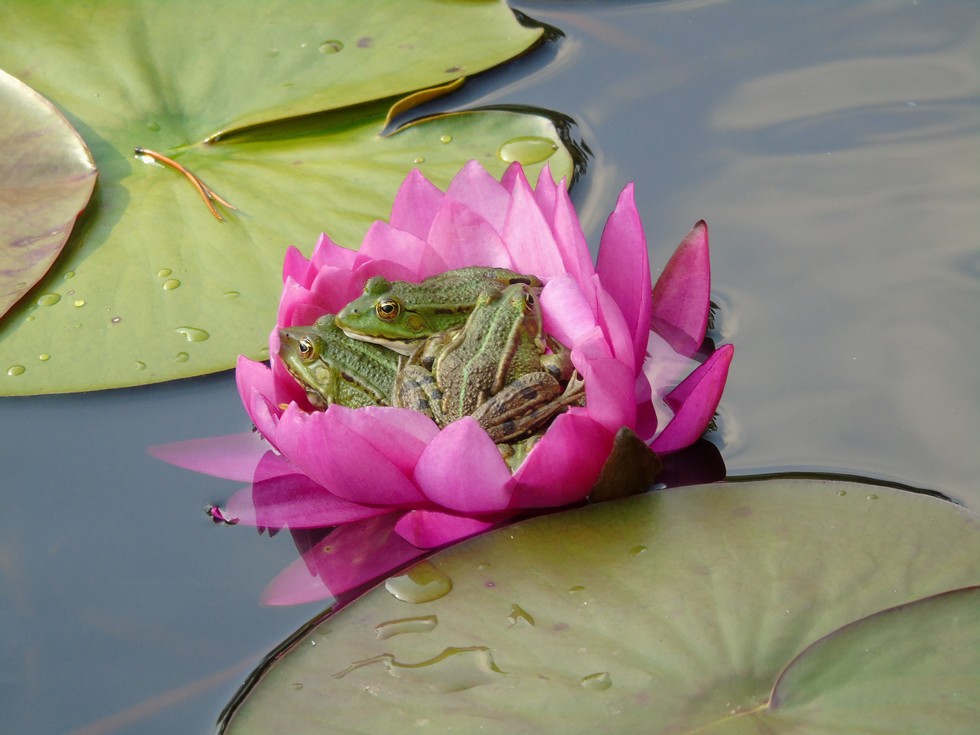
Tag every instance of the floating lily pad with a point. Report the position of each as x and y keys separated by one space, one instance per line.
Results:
x=776 y=606
x=47 y=176
x=279 y=108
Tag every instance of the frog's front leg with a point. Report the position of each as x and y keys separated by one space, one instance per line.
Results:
x=416 y=388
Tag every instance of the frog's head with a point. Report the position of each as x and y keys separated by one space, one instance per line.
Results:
x=385 y=314
x=302 y=351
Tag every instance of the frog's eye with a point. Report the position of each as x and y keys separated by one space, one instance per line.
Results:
x=528 y=301
x=306 y=349
x=387 y=309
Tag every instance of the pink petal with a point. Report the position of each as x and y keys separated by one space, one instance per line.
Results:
x=694 y=402
x=415 y=205
x=350 y=556
x=295 y=266
x=400 y=434
x=429 y=529
x=609 y=393
x=571 y=240
x=463 y=237
x=546 y=193
x=475 y=188
x=564 y=465
x=681 y=294
x=528 y=235
x=233 y=457
x=624 y=268
x=327 y=254
x=615 y=329
x=566 y=311
x=646 y=414
x=383 y=242
x=462 y=470
x=323 y=446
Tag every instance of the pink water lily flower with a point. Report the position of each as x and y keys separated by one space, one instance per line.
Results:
x=389 y=479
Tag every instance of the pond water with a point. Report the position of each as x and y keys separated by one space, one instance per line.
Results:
x=834 y=150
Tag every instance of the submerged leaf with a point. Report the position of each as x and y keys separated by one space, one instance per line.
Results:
x=279 y=111
x=729 y=608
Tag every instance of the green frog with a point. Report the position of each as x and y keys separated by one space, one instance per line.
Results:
x=494 y=368
x=399 y=315
x=335 y=369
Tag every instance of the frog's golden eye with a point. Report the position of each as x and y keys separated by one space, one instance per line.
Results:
x=306 y=349
x=529 y=301
x=387 y=309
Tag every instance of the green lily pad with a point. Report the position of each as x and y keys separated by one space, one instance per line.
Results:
x=48 y=176
x=760 y=607
x=280 y=108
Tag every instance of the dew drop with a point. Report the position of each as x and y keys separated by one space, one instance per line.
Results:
x=69 y=274
x=181 y=357
x=872 y=496
x=484 y=566
x=79 y=302
x=48 y=299
x=445 y=139
x=419 y=160
x=331 y=47
x=14 y=370
x=193 y=334
x=171 y=284
x=164 y=272
x=116 y=319
x=454 y=670
x=841 y=493
x=597 y=682
x=231 y=294
x=140 y=365
x=297 y=685
x=28 y=318
x=637 y=550
x=44 y=357
x=527 y=149
x=153 y=127
x=576 y=588
x=519 y=615
x=421 y=583
x=389 y=628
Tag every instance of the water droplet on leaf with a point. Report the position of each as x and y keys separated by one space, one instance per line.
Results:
x=576 y=588
x=153 y=127
x=181 y=357
x=445 y=139
x=872 y=496
x=79 y=302
x=331 y=47
x=519 y=615
x=418 y=160
x=164 y=272
x=231 y=294
x=193 y=334
x=597 y=682
x=389 y=628
x=421 y=583
x=14 y=370
x=69 y=274
x=637 y=550
x=527 y=149
x=171 y=284
x=48 y=299
x=44 y=357
x=140 y=365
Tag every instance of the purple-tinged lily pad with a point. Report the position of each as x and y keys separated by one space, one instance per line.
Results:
x=780 y=606
x=46 y=178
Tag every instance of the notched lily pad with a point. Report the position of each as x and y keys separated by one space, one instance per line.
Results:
x=774 y=606
x=46 y=178
x=281 y=111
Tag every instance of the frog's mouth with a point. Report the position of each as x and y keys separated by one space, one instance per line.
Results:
x=401 y=346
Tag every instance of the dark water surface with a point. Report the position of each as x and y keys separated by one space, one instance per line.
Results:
x=834 y=149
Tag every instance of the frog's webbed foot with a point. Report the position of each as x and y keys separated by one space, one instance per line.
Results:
x=416 y=388
x=526 y=404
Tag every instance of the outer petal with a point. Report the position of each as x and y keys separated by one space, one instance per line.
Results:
x=624 y=268
x=681 y=295
x=385 y=243
x=694 y=402
x=428 y=529
x=564 y=465
x=350 y=556
x=609 y=391
x=571 y=240
x=327 y=254
x=233 y=457
x=528 y=235
x=567 y=313
x=462 y=470
x=415 y=205
x=342 y=460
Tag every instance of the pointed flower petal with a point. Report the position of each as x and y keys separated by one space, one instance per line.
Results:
x=681 y=295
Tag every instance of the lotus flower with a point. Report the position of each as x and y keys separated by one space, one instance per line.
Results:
x=389 y=479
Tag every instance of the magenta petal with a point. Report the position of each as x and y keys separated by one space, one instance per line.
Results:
x=694 y=402
x=528 y=235
x=610 y=393
x=624 y=268
x=475 y=188
x=385 y=243
x=428 y=529
x=400 y=434
x=616 y=330
x=571 y=240
x=462 y=470
x=463 y=237
x=233 y=457
x=415 y=205
x=327 y=254
x=681 y=294
x=564 y=465
x=343 y=461
x=566 y=310
x=350 y=556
